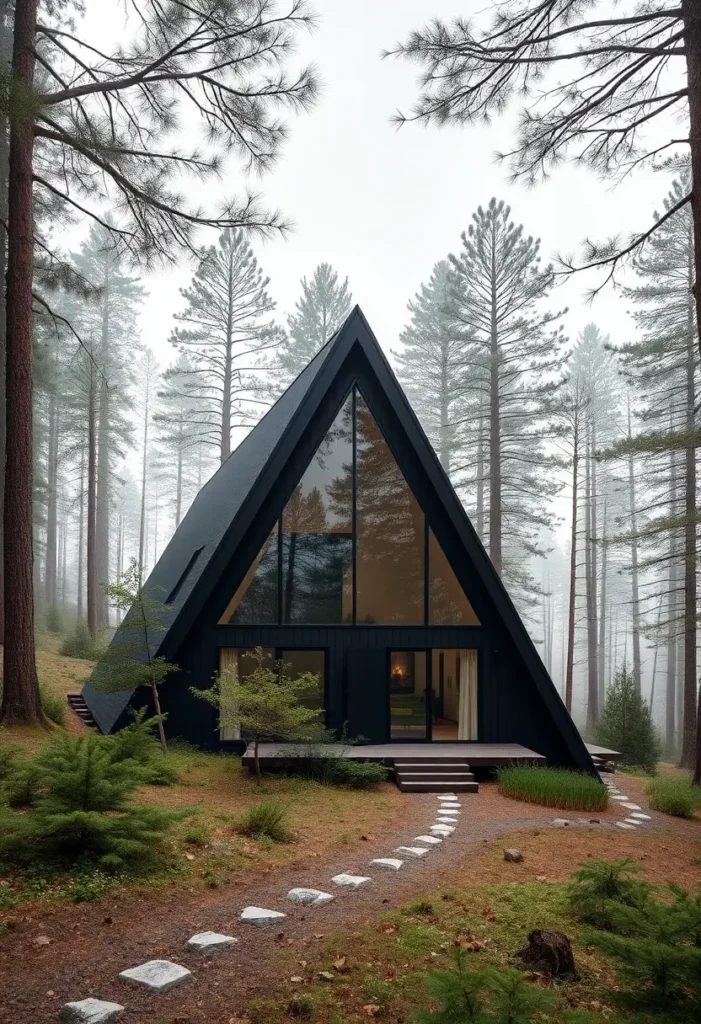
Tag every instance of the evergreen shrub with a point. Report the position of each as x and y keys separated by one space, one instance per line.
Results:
x=80 y=643
x=600 y=886
x=54 y=706
x=138 y=744
x=82 y=811
x=553 y=787
x=626 y=724
x=266 y=820
x=675 y=796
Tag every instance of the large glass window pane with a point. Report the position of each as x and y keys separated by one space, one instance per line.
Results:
x=454 y=695
x=298 y=662
x=390 y=532
x=407 y=695
x=447 y=603
x=317 y=537
x=255 y=600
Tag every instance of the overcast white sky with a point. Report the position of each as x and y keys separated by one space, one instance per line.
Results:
x=384 y=205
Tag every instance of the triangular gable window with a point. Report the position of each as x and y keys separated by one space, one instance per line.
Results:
x=351 y=544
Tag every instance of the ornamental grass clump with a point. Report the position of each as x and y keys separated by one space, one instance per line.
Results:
x=266 y=820
x=673 y=796
x=553 y=787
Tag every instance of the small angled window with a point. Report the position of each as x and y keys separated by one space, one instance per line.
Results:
x=184 y=575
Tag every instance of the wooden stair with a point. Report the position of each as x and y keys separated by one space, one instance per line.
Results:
x=430 y=775
x=81 y=709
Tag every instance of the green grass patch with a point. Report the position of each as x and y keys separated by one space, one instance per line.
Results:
x=675 y=796
x=266 y=820
x=553 y=787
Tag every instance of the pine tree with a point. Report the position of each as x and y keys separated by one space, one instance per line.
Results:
x=321 y=309
x=267 y=704
x=432 y=366
x=626 y=724
x=128 y=662
x=226 y=326
x=515 y=355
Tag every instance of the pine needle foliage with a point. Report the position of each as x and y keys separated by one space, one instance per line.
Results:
x=600 y=884
x=80 y=643
x=626 y=724
x=485 y=996
x=83 y=811
x=267 y=704
x=266 y=820
x=129 y=661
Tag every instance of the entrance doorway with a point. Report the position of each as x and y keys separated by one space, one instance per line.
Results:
x=433 y=695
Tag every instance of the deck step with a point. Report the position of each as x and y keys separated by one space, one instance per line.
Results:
x=78 y=706
x=430 y=775
x=437 y=787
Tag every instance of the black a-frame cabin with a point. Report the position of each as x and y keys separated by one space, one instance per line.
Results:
x=332 y=538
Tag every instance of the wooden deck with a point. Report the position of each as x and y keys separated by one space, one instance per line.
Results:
x=477 y=755
x=603 y=753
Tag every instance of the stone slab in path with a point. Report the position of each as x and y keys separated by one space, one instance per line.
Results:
x=429 y=840
x=157 y=975
x=90 y=1011
x=623 y=824
x=442 y=820
x=620 y=796
x=632 y=821
x=442 y=830
x=391 y=863
x=260 y=916
x=412 y=851
x=310 y=897
x=560 y=822
x=210 y=942
x=632 y=807
x=354 y=881
x=639 y=816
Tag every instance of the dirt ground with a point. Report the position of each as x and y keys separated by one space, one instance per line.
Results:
x=89 y=944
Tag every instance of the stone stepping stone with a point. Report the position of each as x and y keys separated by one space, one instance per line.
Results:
x=560 y=822
x=453 y=804
x=90 y=1011
x=640 y=817
x=632 y=807
x=632 y=821
x=157 y=975
x=210 y=942
x=447 y=796
x=412 y=851
x=444 y=819
x=442 y=830
x=429 y=840
x=390 y=863
x=620 y=797
x=354 y=881
x=310 y=897
x=260 y=916
x=624 y=824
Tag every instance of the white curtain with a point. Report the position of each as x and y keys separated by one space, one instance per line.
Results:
x=229 y=659
x=467 y=708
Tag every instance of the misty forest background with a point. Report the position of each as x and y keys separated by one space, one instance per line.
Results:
x=571 y=454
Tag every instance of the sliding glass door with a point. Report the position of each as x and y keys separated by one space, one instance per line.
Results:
x=433 y=695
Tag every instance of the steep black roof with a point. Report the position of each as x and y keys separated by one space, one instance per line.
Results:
x=224 y=509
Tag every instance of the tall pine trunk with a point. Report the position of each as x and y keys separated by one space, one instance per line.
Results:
x=479 y=516
x=228 y=369
x=21 y=703
x=81 y=532
x=569 y=671
x=51 y=554
x=590 y=595
x=635 y=590
x=691 y=739
x=672 y=609
x=91 y=531
x=602 y=614
x=5 y=55
x=495 y=551
x=142 y=517
x=444 y=450
x=102 y=501
x=691 y=13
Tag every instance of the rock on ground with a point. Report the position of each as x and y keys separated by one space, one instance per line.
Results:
x=513 y=855
x=260 y=916
x=157 y=975
x=210 y=942
x=309 y=897
x=90 y=1011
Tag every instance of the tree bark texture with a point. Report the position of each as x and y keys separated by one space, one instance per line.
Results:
x=495 y=550
x=569 y=671
x=672 y=610
x=102 y=500
x=142 y=518
x=91 y=531
x=602 y=615
x=590 y=595
x=51 y=555
x=21 y=702
x=4 y=171
x=635 y=589
x=691 y=13
x=691 y=737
